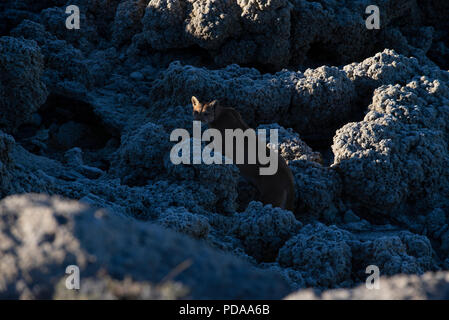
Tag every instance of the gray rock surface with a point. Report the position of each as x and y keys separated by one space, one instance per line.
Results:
x=6 y=143
x=140 y=154
x=396 y=154
x=430 y=286
x=320 y=253
x=42 y=235
x=307 y=102
x=241 y=32
x=183 y=221
x=318 y=190
x=363 y=120
x=264 y=229
x=21 y=87
x=290 y=145
x=401 y=252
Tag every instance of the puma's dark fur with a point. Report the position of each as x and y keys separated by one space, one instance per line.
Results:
x=277 y=189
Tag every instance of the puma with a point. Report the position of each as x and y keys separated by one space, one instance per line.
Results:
x=277 y=189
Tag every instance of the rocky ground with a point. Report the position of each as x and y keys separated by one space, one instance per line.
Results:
x=85 y=174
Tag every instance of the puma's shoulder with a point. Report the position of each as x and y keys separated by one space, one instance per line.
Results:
x=231 y=113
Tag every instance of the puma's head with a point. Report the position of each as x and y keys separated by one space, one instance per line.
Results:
x=206 y=112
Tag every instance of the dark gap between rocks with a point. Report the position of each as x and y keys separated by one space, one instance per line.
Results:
x=321 y=54
x=63 y=123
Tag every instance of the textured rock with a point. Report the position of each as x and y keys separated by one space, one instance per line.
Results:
x=397 y=153
x=264 y=229
x=319 y=98
x=323 y=98
x=258 y=98
x=387 y=67
x=104 y=287
x=42 y=235
x=233 y=32
x=317 y=190
x=436 y=223
x=321 y=256
x=68 y=71
x=320 y=253
x=21 y=87
x=214 y=183
x=118 y=87
x=6 y=143
x=402 y=252
x=54 y=21
x=183 y=221
x=400 y=287
x=270 y=34
x=127 y=20
x=329 y=32
x=290 y=146
x=141 y=153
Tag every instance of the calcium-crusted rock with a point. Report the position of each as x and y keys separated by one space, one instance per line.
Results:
x=311 y=103
x=163 y=23
x=210 y=23
x=199 y=189
x=99 y=8
x=388 y=67
x=327 y=32
x=233 y=32
x=259 y=98
x=270 y=34
x=318 y=190
x=264 y=229
x=389 y=165
x=141 y=154
x=268 y=24
x=67 y=69
x=177 y=117
x=55 y=233
x=322 y=99
x=393 y=251
x=33 y=31
x=429 y=286
x=290 y=146
x=103 y=287
x=6 y=144
x=127 y=21
x=397 y=154
x=423 y=102
x=54 y=21
x=401 y=252
x=117 y=79
x=146 y=202
x=22 y=90
x=436 y=223
x=180 y=220
x=213 y=181
x=278 y=33
x=320 y=253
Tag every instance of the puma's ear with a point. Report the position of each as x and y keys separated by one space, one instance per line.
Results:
x=195 y=101
x=215 y=104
